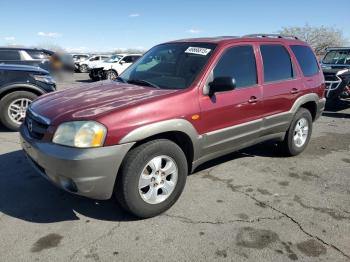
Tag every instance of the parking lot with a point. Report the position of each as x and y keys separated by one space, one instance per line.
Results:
x=250 y=205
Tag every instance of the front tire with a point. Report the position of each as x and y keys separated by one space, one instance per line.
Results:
x=13 y=107
x=111 y=74
x=298 y=134
x=152 y=178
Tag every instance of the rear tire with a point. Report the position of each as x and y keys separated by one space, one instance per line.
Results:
x=298 y=134
x=83 y=68
x=8 y=105
x=138 y=179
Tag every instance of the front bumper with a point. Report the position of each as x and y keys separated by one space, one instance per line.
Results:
x=88 y=172
x=97 y=73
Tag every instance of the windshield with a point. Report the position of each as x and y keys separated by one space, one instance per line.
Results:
x=170 y=66
x=337 y=57
x=113 y=58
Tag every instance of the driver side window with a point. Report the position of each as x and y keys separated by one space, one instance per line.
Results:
x=127 y=59
x=239 y=63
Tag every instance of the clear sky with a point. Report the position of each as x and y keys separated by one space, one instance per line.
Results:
x=97 y=25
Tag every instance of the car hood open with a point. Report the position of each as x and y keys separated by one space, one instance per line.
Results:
x=92 y=100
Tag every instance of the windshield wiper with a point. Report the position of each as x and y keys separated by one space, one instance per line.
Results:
x=142 y=82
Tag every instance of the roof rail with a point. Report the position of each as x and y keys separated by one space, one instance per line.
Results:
x=271 y=36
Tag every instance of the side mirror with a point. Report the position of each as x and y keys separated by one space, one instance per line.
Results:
x=122 y=62
x=221 y=84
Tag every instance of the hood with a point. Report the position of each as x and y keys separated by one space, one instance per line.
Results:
x=334 y=67
x=92 y=100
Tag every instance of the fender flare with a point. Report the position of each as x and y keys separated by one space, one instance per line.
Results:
x=111 y=69
x=21 y=86
x=312 y=97
x=177 y=125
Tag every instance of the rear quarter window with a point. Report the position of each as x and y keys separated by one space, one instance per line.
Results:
x=306 y=59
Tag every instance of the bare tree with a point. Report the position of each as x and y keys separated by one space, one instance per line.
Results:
x=129 y=51
x=318 y=37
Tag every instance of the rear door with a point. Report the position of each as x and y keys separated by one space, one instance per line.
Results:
x=233 y=118
x=282 y=85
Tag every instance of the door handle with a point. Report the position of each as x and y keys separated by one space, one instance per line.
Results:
x=252 y=100
x=294 y=91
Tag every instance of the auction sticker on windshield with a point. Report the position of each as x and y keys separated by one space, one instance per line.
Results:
x=197 y=50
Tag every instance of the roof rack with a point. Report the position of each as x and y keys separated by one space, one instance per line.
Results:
x=272 y=36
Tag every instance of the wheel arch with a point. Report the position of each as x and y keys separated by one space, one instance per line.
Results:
x=309 y=102
x=112 y=69
x=20 y=87
x=179 y=131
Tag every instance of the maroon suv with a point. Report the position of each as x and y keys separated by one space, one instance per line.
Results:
x=183 y=103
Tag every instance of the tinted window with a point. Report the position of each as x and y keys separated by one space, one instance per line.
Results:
x=127 y=59
x=277 y=63
x=9 y=55
x=238 y=63
x=306 y=59
x=37 y=54
x=134 y=58
x=337 y=57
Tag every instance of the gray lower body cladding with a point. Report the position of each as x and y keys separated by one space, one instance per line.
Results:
x=87 y=172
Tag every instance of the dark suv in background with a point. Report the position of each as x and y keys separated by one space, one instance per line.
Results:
x=336 y=69
x=19 y=86
x=25 y=56
x=48 y=60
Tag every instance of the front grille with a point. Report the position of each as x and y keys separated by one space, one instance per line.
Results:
x=331 y=78
x=36 y=125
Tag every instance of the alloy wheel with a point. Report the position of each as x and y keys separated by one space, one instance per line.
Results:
x=158 y=179
x=301 y=132
x=17 y=109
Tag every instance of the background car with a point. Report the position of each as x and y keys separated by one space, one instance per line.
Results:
x=77 y=58
x=26 y=56
x=19 y=86
x=96 y=72
x=87 y=64
x=336 y=69
x=110 y=69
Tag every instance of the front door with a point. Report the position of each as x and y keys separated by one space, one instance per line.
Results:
x=232 y=119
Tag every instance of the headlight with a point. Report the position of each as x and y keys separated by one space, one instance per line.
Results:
x=45 y=79
x=81 y=134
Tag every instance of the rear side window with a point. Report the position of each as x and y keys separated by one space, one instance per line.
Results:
x=9 y=55
x=37 y=54
x=306 y=59
x=277 y=63
x=238 y=63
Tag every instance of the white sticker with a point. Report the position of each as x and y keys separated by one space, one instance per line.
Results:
x=197 y=50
